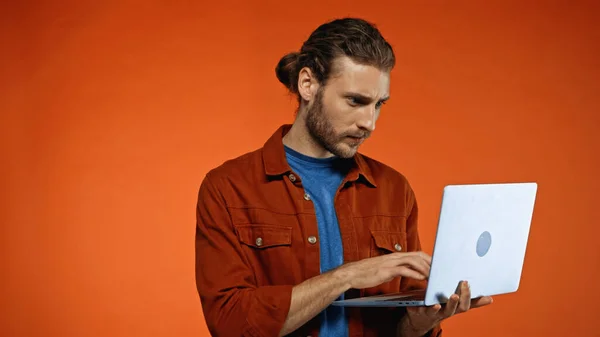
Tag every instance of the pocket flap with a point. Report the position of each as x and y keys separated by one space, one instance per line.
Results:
x=264 y=236
x=390 y=241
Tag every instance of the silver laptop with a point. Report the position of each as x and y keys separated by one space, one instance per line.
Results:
x=481 y=238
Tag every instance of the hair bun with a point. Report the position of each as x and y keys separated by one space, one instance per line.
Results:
x=286 y=71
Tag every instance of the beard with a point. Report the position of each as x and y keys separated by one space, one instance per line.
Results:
x=323 y=132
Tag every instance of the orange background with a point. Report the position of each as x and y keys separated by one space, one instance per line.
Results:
x=112 y=113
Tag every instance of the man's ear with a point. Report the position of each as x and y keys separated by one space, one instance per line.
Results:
x=308 y=85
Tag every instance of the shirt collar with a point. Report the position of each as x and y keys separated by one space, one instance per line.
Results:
x=275 y=162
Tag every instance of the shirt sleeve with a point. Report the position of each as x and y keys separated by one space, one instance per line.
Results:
x=414 y=244
x=232 y=303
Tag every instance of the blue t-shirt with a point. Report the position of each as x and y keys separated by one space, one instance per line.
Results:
x=321 y=179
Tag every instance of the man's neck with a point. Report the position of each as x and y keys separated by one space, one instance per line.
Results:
x=299 y=139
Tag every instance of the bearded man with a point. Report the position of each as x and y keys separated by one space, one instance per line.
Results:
x=285 y=230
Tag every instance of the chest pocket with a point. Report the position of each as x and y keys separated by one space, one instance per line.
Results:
x=386 y=242
x=268 y=250
x=263 y=236
x=271 y=243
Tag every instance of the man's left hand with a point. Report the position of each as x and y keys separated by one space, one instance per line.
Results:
x=419 y=320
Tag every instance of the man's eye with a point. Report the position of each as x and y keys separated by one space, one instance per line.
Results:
x=353 y=101
x=379 y=104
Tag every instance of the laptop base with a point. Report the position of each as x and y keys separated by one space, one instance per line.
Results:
x=415 y=298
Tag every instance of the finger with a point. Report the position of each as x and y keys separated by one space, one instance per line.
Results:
x=481 y=301
x=419 y=254
x=425 y=257
x=451 y=306
x=423 y=266
x=425 y=310
x=409 y=260
x=417 y=310
x=433 y=310
x=416 y=262
x=407 y=272
x=464 y=293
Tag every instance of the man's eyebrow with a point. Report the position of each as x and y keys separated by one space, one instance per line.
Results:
x=364 y=98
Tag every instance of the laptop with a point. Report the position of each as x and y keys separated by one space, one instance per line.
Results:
x=481 y=237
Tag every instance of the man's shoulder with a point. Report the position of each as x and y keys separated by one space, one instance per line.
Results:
x=238 y=166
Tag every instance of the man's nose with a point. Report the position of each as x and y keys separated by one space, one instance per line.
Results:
x=367 y=118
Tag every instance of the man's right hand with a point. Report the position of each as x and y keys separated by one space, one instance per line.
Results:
x=374 y=271
x=315 y=294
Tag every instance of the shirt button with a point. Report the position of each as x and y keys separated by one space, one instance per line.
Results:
x=397 y=247
x=259 y=241
x=312 y=240
x=306 y=196
x=292 y=177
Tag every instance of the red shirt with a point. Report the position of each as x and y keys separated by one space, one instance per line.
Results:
x=257 y=237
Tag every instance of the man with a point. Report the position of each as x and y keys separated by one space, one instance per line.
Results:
x=285 y=230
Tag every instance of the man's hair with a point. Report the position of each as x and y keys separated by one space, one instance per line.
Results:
x=355 y=38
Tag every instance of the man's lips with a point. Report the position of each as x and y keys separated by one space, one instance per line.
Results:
x=356 y=139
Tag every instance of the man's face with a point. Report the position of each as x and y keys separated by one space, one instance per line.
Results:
x=343 y=113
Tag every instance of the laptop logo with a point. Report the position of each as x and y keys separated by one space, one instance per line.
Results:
x=483 y=243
